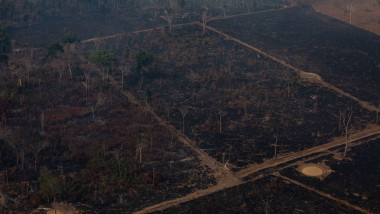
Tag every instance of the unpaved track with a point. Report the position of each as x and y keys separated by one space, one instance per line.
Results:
x=322 y=193
x=189 y=197
x=369 y=131
x=244 y=14
x=311 y=77
x=225 y=177
x=372 y=130
x=221 y=173
x=173 y=26
x=134 y=32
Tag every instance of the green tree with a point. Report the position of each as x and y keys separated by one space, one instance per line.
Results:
x=143 y=59
x=20 y=141
x=68 y=39
x=49 y=184
x=5 y=44
x=103 y=59
x=53 y=49
x=181 y=3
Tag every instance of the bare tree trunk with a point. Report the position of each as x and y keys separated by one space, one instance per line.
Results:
x=42 y=121
x=275 y=148
x=346 y=146
x=346 y=116
x=69 y=62
x=184 y=112
x=220 y=122
x=122 y=79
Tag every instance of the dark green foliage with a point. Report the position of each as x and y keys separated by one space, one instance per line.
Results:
x=4 y=209
x=143 y=59
x=181 y=3
x=103 y=59
x=53 y=49
x=69 y=37
x=5 y=43
x=24 y=136
x=115 y=170
x=168 y=10
x=148 y=95
x=49 y=184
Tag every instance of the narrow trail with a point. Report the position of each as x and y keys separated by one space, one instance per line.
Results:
x=174 y=26
x=197 y=194
x=339 y=201
x=224 y=176
x=373 y=130
x=135 y=32
x=310 y=77
x=369 y=131
x=245 y=14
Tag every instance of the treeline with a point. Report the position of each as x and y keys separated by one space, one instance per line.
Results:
x=27 y=11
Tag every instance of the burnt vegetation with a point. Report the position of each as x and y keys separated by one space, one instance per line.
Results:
x=109 y=106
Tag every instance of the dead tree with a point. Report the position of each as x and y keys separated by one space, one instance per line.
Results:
x=275 y=145
x=169 y=17
x=377 y=114
x=43 y=121
x=204 y=21
x=184 y=111
x=345 y=119
x=36 y=148
x=141 y=143
x=350 y=10
x=221 y=114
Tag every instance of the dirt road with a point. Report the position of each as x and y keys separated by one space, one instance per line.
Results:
x=173 y=26
x=310 y=77
x=221 y=173
x=322 y=193
x=224 y=176
x=369 y=131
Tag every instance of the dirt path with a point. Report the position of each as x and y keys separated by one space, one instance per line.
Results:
x=134 y=32
x=189 y=197
x=174 y=26
x=222 y=174
x=244 y=14
x=369 y=131
x=310 y=77
x=372 y=130
x=339 y=201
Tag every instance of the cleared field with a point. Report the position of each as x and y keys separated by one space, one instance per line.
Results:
x=239 y=106
x=355 y=180
x=343 y=55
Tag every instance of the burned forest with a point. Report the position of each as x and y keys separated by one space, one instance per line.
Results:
x=189 y=106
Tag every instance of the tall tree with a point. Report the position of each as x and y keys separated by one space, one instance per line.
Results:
x=69 y=38
x=104 y=60
x=49 y=184
x=345 y=119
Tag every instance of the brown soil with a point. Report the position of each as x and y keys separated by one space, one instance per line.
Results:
x=322 y=193
x=310 y=77
x=225 y=177
x=366 y=14
x=313 y=171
